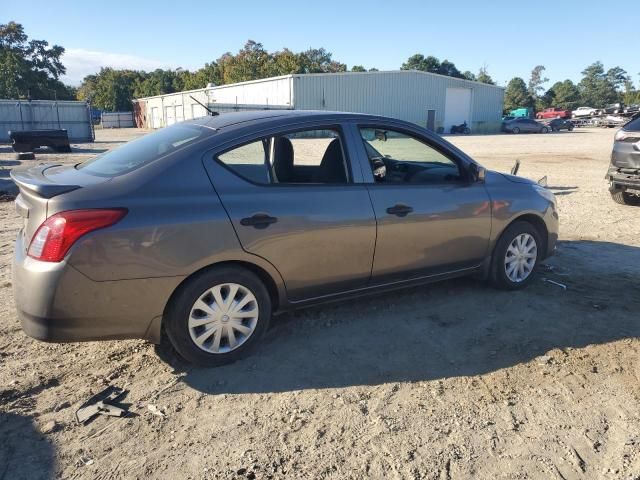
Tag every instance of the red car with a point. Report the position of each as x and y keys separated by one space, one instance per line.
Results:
x=553 y=113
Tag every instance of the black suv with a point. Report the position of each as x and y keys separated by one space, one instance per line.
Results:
x=613 y=108
x=624 y=170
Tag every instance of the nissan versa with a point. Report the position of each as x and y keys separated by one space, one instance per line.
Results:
x=206 y=228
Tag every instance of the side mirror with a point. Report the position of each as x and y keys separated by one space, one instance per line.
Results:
x=478 y=172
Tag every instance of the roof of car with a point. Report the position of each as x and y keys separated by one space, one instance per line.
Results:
x=234 y=118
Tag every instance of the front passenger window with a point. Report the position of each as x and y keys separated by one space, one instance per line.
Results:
x=396 y=157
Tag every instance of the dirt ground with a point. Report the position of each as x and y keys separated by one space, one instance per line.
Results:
x=451 y=381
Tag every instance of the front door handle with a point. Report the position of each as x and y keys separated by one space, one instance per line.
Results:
x=400 y=210
x=259 y=220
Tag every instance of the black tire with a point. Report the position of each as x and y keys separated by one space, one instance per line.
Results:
x=466 y=131
x=624 y=198
x=515 y=130
x=498 y=275
x=545 y=130
x=570 y=128
x=179 y=308
x=25 y=156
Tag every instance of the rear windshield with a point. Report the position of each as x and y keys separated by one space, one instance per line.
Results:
x=633 y=125
x=144 y=150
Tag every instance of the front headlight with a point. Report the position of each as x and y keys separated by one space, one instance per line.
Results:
x=545 y=193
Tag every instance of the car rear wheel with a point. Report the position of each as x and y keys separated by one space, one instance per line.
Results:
x=515 y=130
x=516 y=256
x=624 y=198
x=218 y=316
x=545 y=129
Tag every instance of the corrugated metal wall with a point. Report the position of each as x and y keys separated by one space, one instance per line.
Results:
x=271 y=91
x=404 y=95
x=116 y=119
x=164 y=110
x=18 y=115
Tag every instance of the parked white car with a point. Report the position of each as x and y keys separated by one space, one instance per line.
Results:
x=585 y=112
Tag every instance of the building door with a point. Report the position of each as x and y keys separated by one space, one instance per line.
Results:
x=170 y=115
x=457 y=107
x=431 y=120
x=179 y=113
x=156 y=119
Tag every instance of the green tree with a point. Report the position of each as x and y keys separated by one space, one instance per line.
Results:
x=484 y=77
x=631 y=94
x=467 y=75
x=422 y=63
x=111 y=90
x=537 y=80
x=596 y=88
x=286 y=62
x=449 y=69
x=516 y=95
x=30 y=68
x=564 y=95
x=318 y=60
x=358 y=68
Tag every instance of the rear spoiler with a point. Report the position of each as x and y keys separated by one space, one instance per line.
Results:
x=33 y=180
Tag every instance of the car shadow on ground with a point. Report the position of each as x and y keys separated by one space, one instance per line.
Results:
x=24 y=452
x=455 y=328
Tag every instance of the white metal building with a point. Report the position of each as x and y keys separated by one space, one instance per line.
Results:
x=431 y=100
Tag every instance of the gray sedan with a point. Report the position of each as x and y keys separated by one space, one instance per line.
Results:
x=524 y=125
x=206 y=228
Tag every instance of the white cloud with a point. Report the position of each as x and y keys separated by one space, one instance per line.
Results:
x=80 y=63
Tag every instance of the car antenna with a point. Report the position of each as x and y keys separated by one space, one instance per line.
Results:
x=204 y=106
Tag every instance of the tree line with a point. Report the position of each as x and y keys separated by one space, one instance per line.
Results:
x=597 y=88
x=32 y=69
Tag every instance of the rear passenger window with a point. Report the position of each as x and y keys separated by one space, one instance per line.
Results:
x=248 y=161
x=308 y=156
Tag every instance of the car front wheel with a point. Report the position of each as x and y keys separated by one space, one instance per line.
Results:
x=516 y=256
x=218 y=316
x=515 y=130
x=624 y=198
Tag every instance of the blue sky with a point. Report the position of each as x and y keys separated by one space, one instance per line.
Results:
x=509 y=37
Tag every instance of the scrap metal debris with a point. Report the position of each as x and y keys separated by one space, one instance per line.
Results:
x=156 y=411
x=553 y=282
x=101 y=404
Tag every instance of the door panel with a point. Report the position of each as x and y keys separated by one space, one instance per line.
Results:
x=322 y=241
x=447 y=229
x=319 y=236
x=432 y=216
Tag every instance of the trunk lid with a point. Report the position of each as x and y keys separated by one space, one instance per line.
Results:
x=40 y=183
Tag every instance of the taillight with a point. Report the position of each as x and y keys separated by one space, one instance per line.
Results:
x=58 y=233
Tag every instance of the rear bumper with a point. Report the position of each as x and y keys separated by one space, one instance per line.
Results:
x=57 y=303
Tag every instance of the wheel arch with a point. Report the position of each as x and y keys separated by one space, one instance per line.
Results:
x=155 y=329
x=535 y=220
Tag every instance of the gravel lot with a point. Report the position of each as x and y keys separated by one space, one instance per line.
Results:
x=451 y=381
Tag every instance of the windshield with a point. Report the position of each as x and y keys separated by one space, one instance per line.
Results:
x=144 y=150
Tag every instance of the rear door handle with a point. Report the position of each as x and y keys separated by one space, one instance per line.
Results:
x=259 y=220
x=400 y=210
